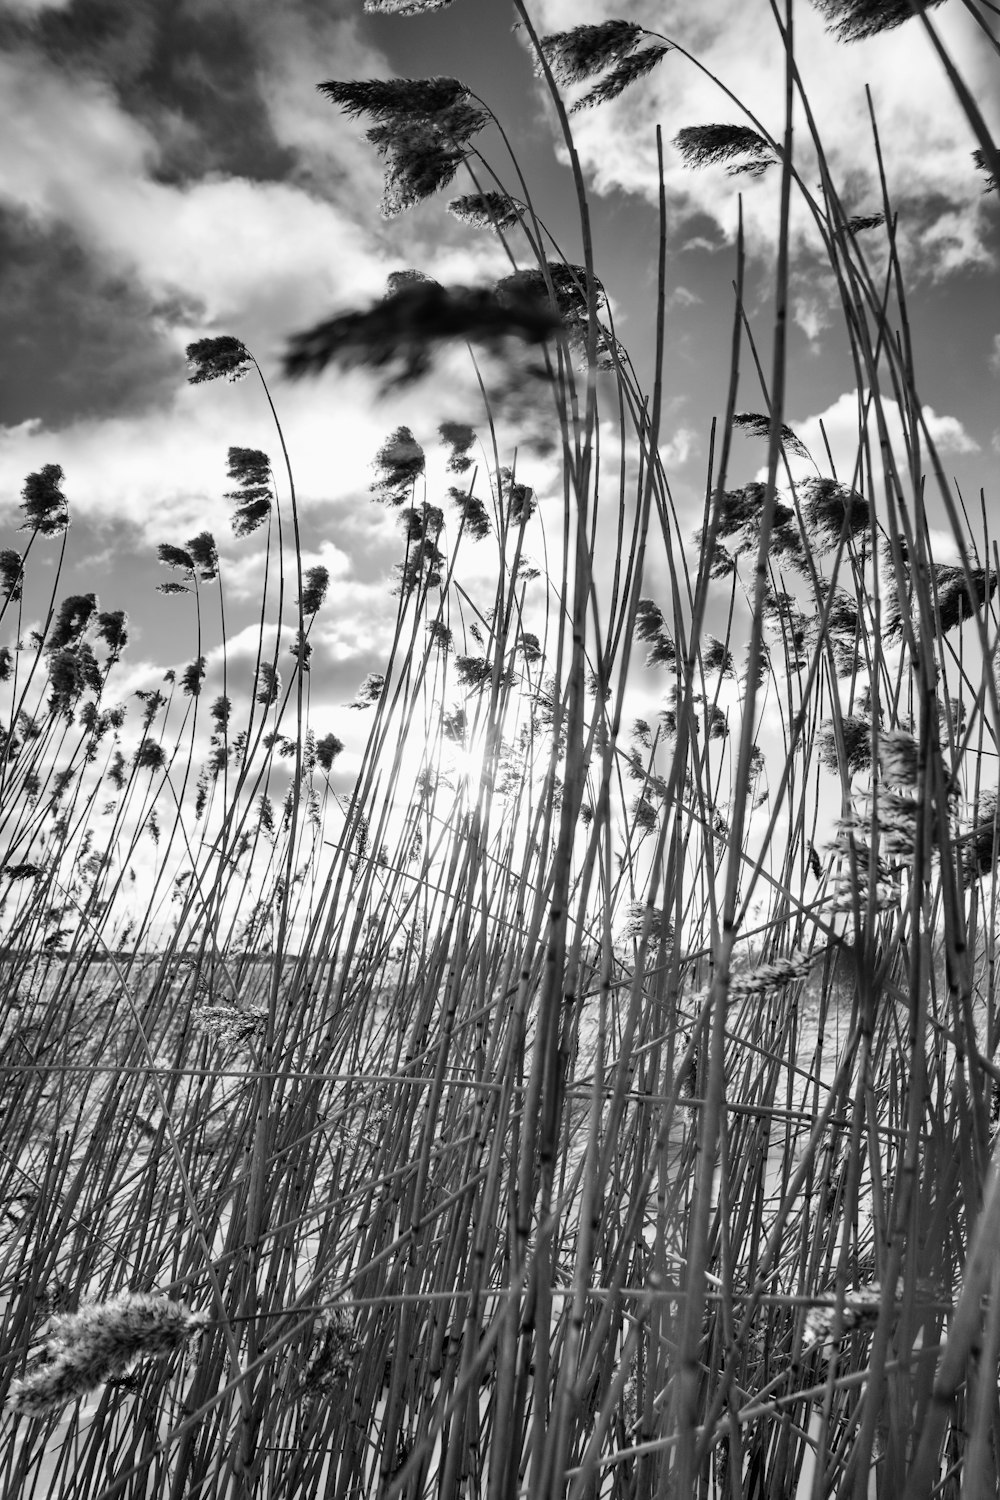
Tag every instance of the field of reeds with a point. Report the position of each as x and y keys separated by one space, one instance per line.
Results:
x=582 y=1099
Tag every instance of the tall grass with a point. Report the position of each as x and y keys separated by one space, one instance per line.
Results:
x=579 y=1099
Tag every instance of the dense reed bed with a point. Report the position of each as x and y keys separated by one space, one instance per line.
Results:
x=585 y=1099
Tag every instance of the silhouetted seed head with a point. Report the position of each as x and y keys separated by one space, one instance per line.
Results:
x=175 y=557
x=643 y=814
x=315 y=583
x=771 y=976
x=979 y=158
x=758 y=424
x=519 y=498
x=75 y=614
x=327 y=750
x=6 y=664
x=569 y=288
x=440 y=635
x=857 y=745
x=21 y=871
x=204 y=555
x=459 y=437
x=370 y=691
x=420 y=522
x=397 y=100
x=334 y=1342
x=222 y=358
x=981 y=845
x=854 y=20
x=829 y=509
x=400 y=334
x=11 y=574
x=530 y=647
x=711 y=145
x=192 y=677
x=150 y=756
x=488 y=210
x=897 y=825
x=251 y=468
x=112 y=629
x=422 y=127
x=400 y=462
x=861 y=222
x=474 y=671
x=649 y=621
x=663 y=652
x=898 y=757
x=627 y=72
x=268 y=683
x=586 y=50
x=763 y=665
x=721 y=562
x=43 y=502
x=960 y=597
x=952 y=715
x=716 y=657
x=475 y=520
x=221 y=710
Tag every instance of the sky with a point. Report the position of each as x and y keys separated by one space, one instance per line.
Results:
x=169 y=172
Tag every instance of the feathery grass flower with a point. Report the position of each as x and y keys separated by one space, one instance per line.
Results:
x=251 y=468
x=230 y=1026
x=399 y=334
x=327 y=750
x=423 y=126
x=96 y=1344
x=829 y=510
x=268 y=683
x=400 y=461
x=627 y=72
x=112 y=629
x=475 y=519
x=370 y=691
x=221 y=358
x=175 y=557
x=404 y=7
x=75 y=614
x=205 y=556
x=494 y=210
x=43 y=502
x=898 y=757
x=712 y=145
x=585 y=51
x=459 y=437
x=11 y=573
x=981 y=843
x=860 y=222
x=857 y=744
x=855 y=20
x=960 y=597
x=771 y=976
x=192 y=677
x=758 y=424
x=979 y=159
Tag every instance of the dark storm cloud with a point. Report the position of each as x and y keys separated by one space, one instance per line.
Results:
x=76 y=340
x=187 y=69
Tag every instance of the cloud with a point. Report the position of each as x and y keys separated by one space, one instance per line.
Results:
x=926 y=141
